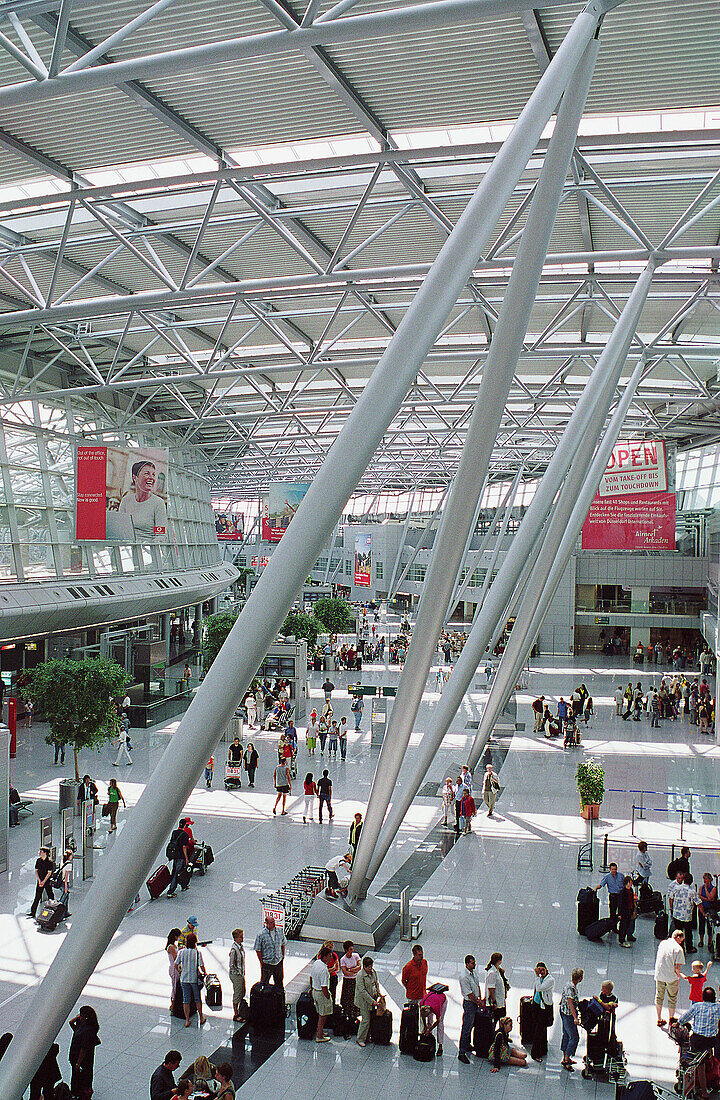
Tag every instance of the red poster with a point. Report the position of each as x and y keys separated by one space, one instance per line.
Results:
x=90 y=484
x=636 y=521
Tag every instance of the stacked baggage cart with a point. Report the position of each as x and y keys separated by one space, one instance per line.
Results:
x=295 y=899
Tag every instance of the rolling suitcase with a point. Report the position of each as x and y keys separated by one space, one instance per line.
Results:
x=209 y=856
x=409 y=1028
x=425 y=1048
x=526 y=1020
x=483 y=1031
x=267 y=1007
x=213 y=991
x=177 y=1005
x=381 y=1028
x=159 y=880
x=662 y=926
x=598 y=929
x=339 y=1023
x=51 y=914
x=588 y=908
x=306 y=1015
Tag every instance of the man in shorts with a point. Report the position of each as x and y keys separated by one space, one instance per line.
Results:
x=283 y=786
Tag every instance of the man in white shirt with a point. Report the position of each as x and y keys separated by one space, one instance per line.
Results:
x=682 y=898
x=668 y=968
x=320 y=986
x=470 y=990
x=338 y=869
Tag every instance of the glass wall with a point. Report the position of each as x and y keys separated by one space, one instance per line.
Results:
x=37 y=502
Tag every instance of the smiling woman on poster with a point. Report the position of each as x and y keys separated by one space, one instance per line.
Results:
x=146 y=509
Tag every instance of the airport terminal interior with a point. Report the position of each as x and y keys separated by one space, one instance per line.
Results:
x=370 y=352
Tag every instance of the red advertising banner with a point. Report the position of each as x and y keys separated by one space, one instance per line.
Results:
x=363 y=555
x=90 y=481
x=634 y=521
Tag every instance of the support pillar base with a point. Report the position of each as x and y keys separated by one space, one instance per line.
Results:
x=368 y=925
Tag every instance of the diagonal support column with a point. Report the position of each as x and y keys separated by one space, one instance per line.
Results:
x=508 y=504
x=552 y=556
x=202 y=724
x=603 y=380
x=497 y=376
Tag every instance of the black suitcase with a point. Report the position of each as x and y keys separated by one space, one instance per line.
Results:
x=184 y=877
x=159 y=880
x=598 y=929
x=51 y=914
x=339 y=1023
x=588 y=908
x=306 y=1015
x=213 y=991
x=209 y=856
x=483 y=1031
x=381 y=1028
x=425 y=1048
x=525 y=1020
x=267 y=1007
x=177 y=1006
x=409 y=1029
x=662 y=926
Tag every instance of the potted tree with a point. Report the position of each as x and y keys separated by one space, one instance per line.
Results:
x=76 y=698
x=590 y=778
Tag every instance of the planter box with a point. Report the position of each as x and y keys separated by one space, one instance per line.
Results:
x=592 y=810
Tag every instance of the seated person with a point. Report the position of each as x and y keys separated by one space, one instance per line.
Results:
x=502 y=1052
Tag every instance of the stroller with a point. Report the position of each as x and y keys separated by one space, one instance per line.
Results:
x=605 y=1058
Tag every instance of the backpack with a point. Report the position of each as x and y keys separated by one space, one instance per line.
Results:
x=173 y=844
x=355 y=706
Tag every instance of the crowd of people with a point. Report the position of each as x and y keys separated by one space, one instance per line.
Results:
x=676 y=697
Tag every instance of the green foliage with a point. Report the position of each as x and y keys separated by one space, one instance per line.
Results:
x=335 y=615
x=590 y=778
x=76 y=698
x=301 y=625
x=217 y=628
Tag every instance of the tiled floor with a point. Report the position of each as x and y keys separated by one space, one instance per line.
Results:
x=511 y=886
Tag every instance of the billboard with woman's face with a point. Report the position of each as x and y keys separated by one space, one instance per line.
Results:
x=121 y=494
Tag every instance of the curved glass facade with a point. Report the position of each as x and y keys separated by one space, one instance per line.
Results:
x=37 y=502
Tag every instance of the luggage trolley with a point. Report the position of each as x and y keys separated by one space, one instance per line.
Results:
x=605 y=1057
x=686 y=1083
x=233 y=776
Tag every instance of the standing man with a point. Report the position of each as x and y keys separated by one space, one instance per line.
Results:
x=320 y=985
x=283 y=786
x=490 y=788
x=324 y=787
x=355 y=830
x=236 y=972
x=187 y=677
x=538 y=709
x=682 y=899
x=44 y=868
x=270 y=950
x=179 y=848
x=357 y=706
x=470 y=990
x=644 y=862
x=328 y=688
x=414 y=975
x=614 y=883
x=668 y=971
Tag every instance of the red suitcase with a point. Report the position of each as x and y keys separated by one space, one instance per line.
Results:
x=159 y=880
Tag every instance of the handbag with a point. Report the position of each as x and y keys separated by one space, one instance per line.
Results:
x=549 y=1015
x=106 y=810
